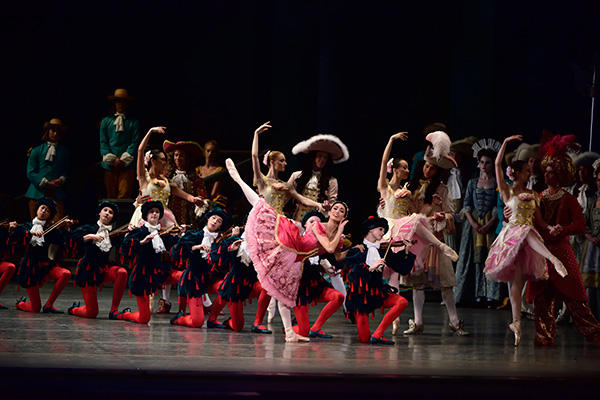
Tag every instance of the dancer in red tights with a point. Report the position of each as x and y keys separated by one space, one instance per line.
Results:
x=35 y=267
x=7 y=269
x=367 y=291
x=94 y=269
x=240 y=284
x=314 y=289
x=144 y=246
x=200 y=277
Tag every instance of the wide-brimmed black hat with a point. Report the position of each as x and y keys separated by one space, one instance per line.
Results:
x=51 y=204
x=221 y=213
x=373 y=222
x=312 y=213
x=149 y=205
x=112 y=205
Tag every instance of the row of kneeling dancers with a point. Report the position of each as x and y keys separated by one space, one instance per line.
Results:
x=275 y=257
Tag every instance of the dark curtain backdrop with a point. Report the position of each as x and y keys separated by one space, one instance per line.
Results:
x=359 y=70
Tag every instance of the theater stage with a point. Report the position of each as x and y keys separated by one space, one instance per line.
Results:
x=100 y=357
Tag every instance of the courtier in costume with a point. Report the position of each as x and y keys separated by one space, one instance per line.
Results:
x=201 y=275
x=183 y=156
x=315 y=289
x=119 y=137
x=277 y=249
x=95 y=269
x=478 y=233
x=143 y=247
x=48 y=168
x=315 y=180
x=563 y=214
x=211 y=172
x=367 y=291
x=35 y=267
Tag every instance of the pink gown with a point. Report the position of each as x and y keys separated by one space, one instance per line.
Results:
x=277 y=250
x=519 y=245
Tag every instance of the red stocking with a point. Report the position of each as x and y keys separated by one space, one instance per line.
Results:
x=236 y=310
x=117 y=275
x=61 y=276
x=196 y=317
x=334 y=301
x=263 y=303
x=362 y=324
x=397 y=304
x=143 y=315
x=35 y=303
x=301 y=313
x=90 y=310
x=7 y=270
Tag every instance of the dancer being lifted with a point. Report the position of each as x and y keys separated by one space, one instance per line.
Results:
x=518 y=253
x=277 y=249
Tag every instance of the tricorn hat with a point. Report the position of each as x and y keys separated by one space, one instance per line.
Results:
x=191 y=148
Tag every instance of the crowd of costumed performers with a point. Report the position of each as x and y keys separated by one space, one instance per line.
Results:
x=481 y=234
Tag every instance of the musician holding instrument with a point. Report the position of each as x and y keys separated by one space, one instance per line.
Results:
x=36 y=267
x=94 y=268
x=144 y=247
x=367 y=291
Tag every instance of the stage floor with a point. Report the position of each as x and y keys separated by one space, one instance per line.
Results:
x=63 y=341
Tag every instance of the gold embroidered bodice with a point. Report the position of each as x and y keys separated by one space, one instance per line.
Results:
x=398 y=203
x=276 y=193
x=523 y=208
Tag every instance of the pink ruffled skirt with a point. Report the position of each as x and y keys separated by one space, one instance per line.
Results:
x=512 y=250
x=276 y=266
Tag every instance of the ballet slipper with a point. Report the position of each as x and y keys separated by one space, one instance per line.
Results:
x=291 y=336
x=515 y=327
x=233 y=172
x=395 y=326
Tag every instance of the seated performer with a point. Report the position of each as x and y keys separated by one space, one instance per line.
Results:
x=94 y=269
x=144 y=247
x=314 y=289
x=367 y=292
x=200 y=276
x=36 y=267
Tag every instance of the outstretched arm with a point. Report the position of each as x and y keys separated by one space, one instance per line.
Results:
x=140 y=169
x=502 y=185
x=305 y=201
x=255 y=161
x=330 y=246
x=382 y=182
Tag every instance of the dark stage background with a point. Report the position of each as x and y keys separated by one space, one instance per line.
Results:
x=356 y=69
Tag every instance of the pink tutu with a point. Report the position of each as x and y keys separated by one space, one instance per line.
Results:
x=405 y=228
x=277 y=251
x=510 y=251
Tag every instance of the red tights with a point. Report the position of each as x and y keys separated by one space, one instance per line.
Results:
x=396 y=303
x=118 y=276
x=143 y=315
x=7 y=270
x=236 y=308
x=58 y=274
x=195 y=319
x=334 y=300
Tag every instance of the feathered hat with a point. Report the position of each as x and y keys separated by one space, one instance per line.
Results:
x=554 y=150
x=438 y=152
x=328 y=143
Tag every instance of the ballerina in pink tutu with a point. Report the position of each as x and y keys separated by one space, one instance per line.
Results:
x=518 y=253
x=277 y=249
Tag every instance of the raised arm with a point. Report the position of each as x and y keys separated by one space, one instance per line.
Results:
x=140 y=169
x=502 y=185
x=382 y=182
x=330 y=246
x=255 y=160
